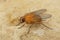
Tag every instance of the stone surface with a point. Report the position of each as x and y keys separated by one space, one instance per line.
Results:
x=10 y=10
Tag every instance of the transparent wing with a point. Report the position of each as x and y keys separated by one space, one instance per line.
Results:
x=41 y=13
x=45 y=16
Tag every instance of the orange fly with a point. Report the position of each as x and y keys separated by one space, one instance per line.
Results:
x=33 y=18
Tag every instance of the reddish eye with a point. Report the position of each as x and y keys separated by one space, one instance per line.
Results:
x=22 y=20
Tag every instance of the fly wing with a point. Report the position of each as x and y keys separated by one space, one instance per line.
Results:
x=41 y=13
x=45 y=16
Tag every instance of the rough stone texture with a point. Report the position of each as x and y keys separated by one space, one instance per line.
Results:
x=11 y=9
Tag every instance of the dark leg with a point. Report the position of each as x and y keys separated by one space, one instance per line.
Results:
x=21 y=26
x=26 y=33
x=46 y=26
x=29 y=29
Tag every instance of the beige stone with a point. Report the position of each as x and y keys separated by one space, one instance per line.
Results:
x=12 y=9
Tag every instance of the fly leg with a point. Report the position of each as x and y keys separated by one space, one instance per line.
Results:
x=29 y=28
x=21 y=26
x=46 y=26
x=26 y=33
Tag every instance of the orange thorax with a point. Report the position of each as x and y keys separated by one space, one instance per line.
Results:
x=32 y=18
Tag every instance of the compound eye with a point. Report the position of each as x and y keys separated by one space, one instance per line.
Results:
x=22 y=20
